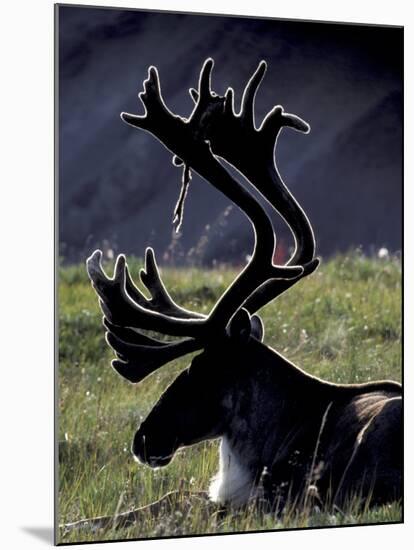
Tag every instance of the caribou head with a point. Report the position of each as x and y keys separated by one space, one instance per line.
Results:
x=270 y=415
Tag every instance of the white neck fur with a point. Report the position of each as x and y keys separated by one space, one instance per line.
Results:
x=233 y=484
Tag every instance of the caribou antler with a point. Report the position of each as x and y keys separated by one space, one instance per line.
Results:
x=138 y=355
x=120 y=309
x=192 y=141
x=235 y=138
x=160 y=299
x=196 y=143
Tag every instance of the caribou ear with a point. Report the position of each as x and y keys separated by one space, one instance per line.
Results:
x=257 y=328
x=240 y=327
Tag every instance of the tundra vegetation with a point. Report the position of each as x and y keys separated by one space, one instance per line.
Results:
x=290 y=442
x=342 y=324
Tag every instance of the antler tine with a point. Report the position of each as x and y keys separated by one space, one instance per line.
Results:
x=229 y=102
x=194 y=94
x=204 y=83
x=120 y=309
x=153 y=102
x=249 y=94
x=161 y=300
x=136 y=362
x=131 y=335
x=277 y=118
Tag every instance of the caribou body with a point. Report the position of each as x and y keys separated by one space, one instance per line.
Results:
x=342 y=440
x=283 y=432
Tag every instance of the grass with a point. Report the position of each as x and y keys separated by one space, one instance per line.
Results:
x=342 y=324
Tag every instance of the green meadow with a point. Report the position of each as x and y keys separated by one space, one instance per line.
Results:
x=343 y=324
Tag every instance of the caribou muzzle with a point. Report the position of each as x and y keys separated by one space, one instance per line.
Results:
x=153 y=451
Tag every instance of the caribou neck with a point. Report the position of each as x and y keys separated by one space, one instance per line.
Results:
x=265 y=412
x=267 y=416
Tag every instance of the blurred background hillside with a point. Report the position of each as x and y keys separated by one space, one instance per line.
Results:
x=117 y=186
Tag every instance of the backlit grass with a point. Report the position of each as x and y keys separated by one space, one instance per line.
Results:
x=342 y=324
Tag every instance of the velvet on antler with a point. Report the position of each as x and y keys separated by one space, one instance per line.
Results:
x=212 y=131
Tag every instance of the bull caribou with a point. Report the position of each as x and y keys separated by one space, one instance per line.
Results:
x=282 y=430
